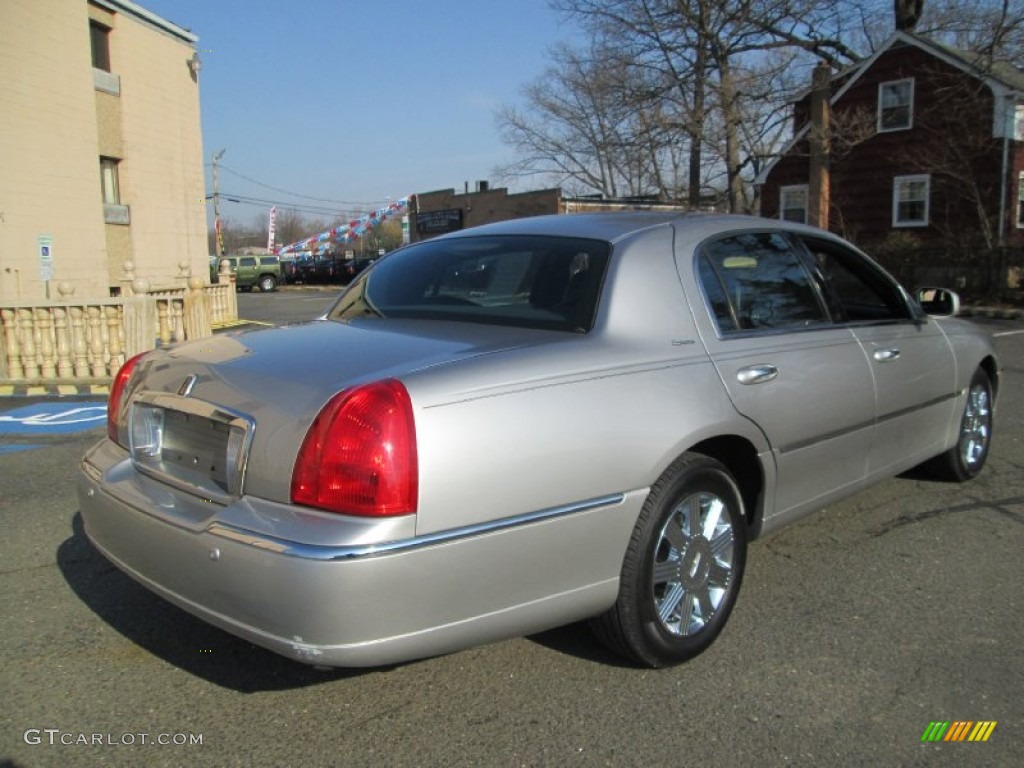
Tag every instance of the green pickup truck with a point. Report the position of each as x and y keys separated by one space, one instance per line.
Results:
x=264 y=272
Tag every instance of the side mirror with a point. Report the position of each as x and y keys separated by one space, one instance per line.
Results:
x=939 y=302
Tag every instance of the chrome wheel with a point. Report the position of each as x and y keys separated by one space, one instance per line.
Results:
x=976 y=426
x=965 y=459
x=692 y=564
x=683 y=566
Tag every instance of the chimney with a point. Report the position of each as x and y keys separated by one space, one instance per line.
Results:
x=907 y=14
x=818 y=188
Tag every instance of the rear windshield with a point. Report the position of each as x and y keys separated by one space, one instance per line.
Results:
x=525 y=281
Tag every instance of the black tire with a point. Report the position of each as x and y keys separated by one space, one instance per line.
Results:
x=678 y=586
x=966 y=459
x=267 y=283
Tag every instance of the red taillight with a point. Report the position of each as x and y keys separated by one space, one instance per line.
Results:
x=115 y=407
x=359 y=456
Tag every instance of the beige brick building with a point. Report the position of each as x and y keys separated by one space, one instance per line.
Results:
x=100 y=147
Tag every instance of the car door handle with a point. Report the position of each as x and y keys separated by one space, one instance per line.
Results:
x=757 y=374
x=886 y=355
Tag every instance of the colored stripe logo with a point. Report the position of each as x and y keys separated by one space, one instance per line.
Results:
x=958 y=730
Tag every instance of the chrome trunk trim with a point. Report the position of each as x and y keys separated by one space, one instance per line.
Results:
x=200 y=482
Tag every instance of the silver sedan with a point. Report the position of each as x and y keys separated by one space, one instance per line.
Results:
x=527 y=424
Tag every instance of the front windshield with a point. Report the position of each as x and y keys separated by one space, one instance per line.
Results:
x=525 y=281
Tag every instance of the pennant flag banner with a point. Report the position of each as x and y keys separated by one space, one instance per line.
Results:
x=350 y=232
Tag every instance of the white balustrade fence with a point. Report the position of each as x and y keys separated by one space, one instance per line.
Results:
x=74 y=340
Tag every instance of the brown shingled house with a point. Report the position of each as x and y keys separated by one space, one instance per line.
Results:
x=925 y=160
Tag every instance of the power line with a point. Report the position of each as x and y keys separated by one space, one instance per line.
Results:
x=296 y=194
x=257 y=201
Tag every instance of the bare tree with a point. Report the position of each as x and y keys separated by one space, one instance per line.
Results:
x=585 y=127
x=236 y=235
x=675 y=95
x=704 y=63
x=292 y=226
x=389 y=234
x=992 y=29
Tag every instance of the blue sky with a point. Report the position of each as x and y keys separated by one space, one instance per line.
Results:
x=359 y=102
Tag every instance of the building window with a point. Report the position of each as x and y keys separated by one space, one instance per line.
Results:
x=1020 y=201
x=910 y=201
x=895 y=105
x=114 y=211
x=109 y=185
x=99 y=37
x=793 y=203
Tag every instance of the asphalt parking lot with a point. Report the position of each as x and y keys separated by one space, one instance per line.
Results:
x=856 y=629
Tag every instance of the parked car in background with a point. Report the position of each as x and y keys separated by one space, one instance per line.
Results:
x=526 y=424
x=352 y=267
x=290 y=270
x=328 y=269
x=263 y=272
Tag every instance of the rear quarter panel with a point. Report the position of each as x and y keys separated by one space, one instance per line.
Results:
x=594 y=414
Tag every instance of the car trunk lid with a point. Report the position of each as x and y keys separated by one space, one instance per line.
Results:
x=272 y=383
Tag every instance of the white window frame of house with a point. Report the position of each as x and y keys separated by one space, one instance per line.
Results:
x=1020 y=200
x=890 y=87
x=900 y=184
x=793 y=189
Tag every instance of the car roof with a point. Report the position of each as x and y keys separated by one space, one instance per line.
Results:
x=613 y=226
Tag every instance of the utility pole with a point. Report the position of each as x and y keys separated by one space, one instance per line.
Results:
x=819 y=190
x=216 y=203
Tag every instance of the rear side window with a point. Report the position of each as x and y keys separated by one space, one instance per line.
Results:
x=857 y=291
x=758 y=281
x=527 y=281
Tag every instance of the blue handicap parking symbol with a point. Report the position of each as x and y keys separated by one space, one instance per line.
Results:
x=53 y=418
